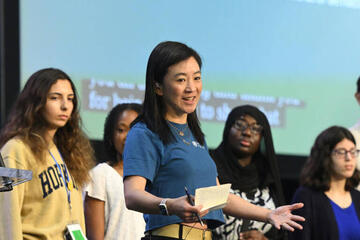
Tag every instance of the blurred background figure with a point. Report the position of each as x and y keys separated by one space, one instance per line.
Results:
x=43 y=134
x=106 y=215
x=331 y=204
x=355 y=129
x=246 y=159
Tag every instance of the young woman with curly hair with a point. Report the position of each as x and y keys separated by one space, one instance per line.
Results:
x=43 y=134
x=328 y=181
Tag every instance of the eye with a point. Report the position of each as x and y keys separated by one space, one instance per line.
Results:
x=180 y=80
x=198 y=78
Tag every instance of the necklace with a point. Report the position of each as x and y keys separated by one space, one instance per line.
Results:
x=181 y=133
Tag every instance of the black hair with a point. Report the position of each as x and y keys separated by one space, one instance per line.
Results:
x=110 y=125
x=317 y=170
x=164 y=55
x=264 y=157
x=358 y=85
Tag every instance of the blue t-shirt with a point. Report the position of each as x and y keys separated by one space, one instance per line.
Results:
x=347 y=221
x=169 y=168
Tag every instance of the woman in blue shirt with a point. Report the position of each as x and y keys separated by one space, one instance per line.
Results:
x=165 y=151
x=331 y=204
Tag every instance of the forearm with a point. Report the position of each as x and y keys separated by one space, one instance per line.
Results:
x=94 y=218
x=142 y=201
x=240 y=208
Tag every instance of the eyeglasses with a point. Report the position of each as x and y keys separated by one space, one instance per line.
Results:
x=342 y=153
x=242 y=125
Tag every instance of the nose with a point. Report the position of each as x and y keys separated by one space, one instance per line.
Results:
x=246 y=131
x=348 y=155
x=64 y=104
x=189 y=85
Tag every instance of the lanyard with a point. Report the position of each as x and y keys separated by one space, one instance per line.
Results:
x=68 y=193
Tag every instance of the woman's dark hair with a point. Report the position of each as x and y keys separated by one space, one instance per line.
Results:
x=26 y=121
x=317 y=170
x=164 y=55
x=264 y=158
x=110 y=125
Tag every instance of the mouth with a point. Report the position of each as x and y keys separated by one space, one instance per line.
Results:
x=349 y=167
x=245 y=143
x=63 y=117
x=189 y=100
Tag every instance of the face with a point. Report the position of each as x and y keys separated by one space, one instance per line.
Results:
x=343 y=165
x=244 y=142
x=122 y=127
x=181 y=89
x=59 y=104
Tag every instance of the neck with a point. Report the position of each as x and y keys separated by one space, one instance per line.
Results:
x=119 y=167
x=244 y=161
x=49 y=135
x=337 y=186
x=176 y=119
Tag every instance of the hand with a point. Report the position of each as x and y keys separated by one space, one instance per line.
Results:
x=282 y=217
x=252 y=235
x=183 y=209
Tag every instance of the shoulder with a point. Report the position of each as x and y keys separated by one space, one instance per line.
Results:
x=355 y=129
x=305 y=193
x=140 y=133
x=16 y=153
x=15 y=146
x=355 y=194
x=16 y=143
x=140 y=128
x=101 y=167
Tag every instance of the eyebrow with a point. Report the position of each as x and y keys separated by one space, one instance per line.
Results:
x=184 y=74
x=60 y=94
x=244 y=120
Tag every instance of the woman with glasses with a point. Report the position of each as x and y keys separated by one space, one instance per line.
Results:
x=165 y=151
x=331 y=204
x=246 y=159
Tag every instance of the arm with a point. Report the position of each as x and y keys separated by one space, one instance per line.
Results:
x=138 y=199
x=280 y=217
x=94 y=218
x=252 y=235
x=14 y=156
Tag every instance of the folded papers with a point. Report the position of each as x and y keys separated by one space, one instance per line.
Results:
x=212 y=198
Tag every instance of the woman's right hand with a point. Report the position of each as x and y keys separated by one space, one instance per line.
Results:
x=252 y=235
x=184 y=210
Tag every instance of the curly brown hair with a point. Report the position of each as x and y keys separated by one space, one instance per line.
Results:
x=26 y=122
x=316 y=173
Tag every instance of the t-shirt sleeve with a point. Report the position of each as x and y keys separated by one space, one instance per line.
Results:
x=97 y=186
x=142 y=153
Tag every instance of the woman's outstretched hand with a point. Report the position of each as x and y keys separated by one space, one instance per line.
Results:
x=282 y=217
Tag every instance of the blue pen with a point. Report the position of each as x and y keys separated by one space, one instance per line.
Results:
x=192 y=203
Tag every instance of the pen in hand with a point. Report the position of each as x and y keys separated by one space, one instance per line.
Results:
x=192 y=203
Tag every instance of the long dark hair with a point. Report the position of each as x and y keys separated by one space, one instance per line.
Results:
x=110 y=125
x=317 y=170
x=164 y=55
x=27 y=122
x=264 y=158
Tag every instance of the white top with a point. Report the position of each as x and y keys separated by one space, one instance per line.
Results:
x=355 y=130
x=120 y=223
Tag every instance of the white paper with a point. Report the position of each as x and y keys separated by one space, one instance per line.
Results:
x=212 y=198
